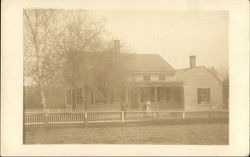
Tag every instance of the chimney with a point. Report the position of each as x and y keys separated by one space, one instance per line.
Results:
x=117 y=46
x=192 y=61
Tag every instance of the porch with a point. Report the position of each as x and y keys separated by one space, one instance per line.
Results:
x=162 y=95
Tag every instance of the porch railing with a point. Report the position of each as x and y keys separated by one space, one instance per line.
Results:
x=79 y=116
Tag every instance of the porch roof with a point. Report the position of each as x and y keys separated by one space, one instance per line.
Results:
x=154 y=83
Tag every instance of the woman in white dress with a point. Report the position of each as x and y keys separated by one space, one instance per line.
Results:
x=148 y=107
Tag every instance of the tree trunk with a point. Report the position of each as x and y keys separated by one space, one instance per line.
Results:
x=42 y=94
x=46 y=111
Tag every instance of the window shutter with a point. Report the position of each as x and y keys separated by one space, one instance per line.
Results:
x=199 y=93
x=208 y=95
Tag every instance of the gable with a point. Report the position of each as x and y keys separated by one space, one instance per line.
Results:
x=198 y=74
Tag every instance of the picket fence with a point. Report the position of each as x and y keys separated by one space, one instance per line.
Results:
x=39 y=117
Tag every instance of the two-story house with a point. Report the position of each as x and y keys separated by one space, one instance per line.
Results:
x=150 y=77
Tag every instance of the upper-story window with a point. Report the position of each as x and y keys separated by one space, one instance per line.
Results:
x=146 y=77
x=162 y=77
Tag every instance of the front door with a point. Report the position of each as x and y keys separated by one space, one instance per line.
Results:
x=134 y=99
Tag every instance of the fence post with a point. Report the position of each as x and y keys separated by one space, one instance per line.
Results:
x=183 y=115
x=123 y=119
x=46 y=117
x=154 y=116
x=85 y=118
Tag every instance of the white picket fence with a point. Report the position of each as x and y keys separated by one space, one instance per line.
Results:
x=79 y=116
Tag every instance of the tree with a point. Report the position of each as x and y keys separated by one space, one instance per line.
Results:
x=222 y=73
x=67 y=46
x=91 y=61
x=42 y=57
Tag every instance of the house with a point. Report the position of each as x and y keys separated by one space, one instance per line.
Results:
x=202 y=89
x=150 y=77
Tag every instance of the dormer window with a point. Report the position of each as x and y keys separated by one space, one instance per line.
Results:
x=162 y=77
x=146 y=78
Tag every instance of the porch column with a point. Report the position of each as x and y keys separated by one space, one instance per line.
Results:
x=72 y=98
x=65 y=94
x=182 y=98
x=94 y=99
x=139 y=96
x=156 y=95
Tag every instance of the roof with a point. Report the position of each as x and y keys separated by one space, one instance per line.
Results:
x=147 y=63
x=182 y=74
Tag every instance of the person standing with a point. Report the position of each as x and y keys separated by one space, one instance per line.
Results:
x=148 y=107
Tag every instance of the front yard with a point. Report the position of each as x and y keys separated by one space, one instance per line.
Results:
x=196 y=134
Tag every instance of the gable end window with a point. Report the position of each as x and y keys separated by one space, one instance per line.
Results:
x=203 y=95
x=146 y=78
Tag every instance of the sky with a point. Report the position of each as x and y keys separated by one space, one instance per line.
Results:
x=175 y=35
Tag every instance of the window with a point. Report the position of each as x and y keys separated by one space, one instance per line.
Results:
x=162 y=77
x=167 y=93
x=79 y=96
x=203 y=95
x=74 y=98
x=117 y=97
x=146 y=93
x=146 y=78
x=68 y=96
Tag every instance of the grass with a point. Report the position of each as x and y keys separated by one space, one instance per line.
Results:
x=134 y=133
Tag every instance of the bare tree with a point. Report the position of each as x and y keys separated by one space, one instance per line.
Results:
x=42 y=57
x=69 y=42
x=91 y=61
x=222 y=72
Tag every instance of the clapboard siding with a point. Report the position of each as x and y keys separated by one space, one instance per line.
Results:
x=201 y=78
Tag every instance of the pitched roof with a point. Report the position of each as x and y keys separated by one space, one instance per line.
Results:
x=182 y=74
x=147 y=63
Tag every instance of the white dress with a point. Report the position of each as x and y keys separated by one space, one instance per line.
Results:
x=148 y=106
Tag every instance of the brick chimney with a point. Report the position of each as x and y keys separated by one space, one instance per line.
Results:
x=192 y=60
x=117 y=46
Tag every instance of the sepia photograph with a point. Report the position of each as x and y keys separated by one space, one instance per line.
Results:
x=125 y=77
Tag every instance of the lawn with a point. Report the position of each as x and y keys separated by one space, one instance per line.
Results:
x=200 y=134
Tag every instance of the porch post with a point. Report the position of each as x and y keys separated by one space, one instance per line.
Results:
x=94 y=99
x=66 y=102
x=139 y=96
x=183 y=98
x=126 y=95
x=156 y=95
x=72 y=98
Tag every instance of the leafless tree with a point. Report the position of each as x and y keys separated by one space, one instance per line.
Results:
x=222 y=73
x=42 y=57
x=91 y=61
x=68 y=46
